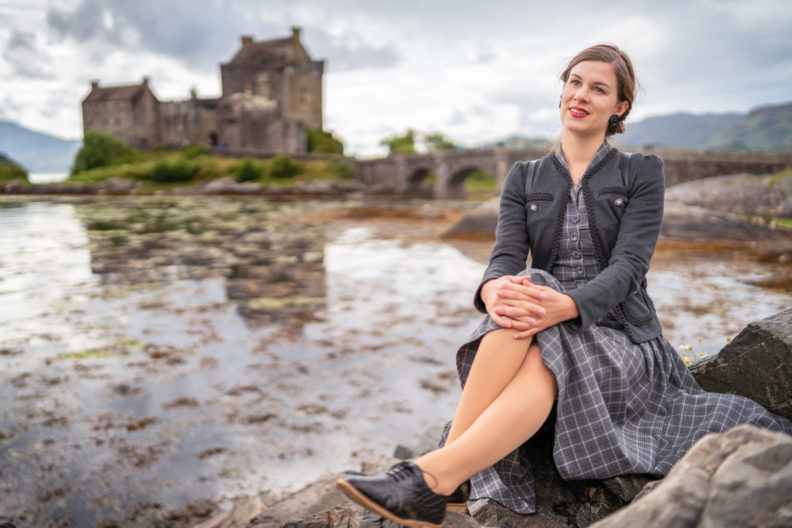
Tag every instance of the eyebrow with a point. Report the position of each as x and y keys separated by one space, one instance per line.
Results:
x=606 y=85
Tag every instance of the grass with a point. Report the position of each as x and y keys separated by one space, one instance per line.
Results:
x=148 y=168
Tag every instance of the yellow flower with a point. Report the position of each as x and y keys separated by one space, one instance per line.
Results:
x=687 y=362
x=699 y=340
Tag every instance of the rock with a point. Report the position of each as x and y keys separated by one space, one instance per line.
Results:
x=228 y=185
x=117 y=185
x=478 y=224
x=756 y=364
x=319 y=504
x=743 y=194
x=243 y=509
x=559 y=503
x=739 y=478
x=693 y=222
x=330 y=186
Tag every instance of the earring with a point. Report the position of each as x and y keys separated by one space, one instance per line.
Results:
x=613 y=121
x=559 y=101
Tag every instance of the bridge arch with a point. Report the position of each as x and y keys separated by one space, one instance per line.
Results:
x=456 y=187
x=419 y=182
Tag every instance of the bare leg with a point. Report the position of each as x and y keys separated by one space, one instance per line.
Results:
x=498 y=358
x=512 y=418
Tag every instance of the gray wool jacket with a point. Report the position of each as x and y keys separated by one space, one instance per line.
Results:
x=624 y=200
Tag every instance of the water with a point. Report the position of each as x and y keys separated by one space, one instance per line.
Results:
x=154 y=352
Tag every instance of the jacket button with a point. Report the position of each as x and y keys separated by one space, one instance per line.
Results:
x=534 y=207
x=619 y=201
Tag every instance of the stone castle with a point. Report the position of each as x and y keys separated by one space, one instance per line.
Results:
x=271 y=92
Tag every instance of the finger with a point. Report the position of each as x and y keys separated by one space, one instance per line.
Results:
x=516 y=313
x=519 y=279
x=502 y=321
x=525 y=288
x=526 y=306
x=527 y=333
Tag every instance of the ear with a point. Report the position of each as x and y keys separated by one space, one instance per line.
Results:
x=621 y=108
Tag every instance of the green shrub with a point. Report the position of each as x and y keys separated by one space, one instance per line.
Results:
x=192 y=151
x=248 y=170
x=342 y=170
x=178 y=171
x=101 y=150
x=323 y=141
x=283 y=167
x=11 y=171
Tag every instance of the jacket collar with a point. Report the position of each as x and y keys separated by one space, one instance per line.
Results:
x=603 y=151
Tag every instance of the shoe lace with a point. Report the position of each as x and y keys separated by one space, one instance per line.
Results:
x=405 y=469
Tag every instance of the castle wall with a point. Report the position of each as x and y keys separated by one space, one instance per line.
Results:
x=116 y=118
x=146 y=120
x=304 y=94
x=193 y=121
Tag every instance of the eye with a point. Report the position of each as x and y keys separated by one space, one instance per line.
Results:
x=600 y=90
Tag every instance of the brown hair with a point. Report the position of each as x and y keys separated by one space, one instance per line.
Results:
x=625 y=76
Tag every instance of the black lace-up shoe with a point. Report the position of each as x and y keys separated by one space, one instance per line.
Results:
x=400 y=495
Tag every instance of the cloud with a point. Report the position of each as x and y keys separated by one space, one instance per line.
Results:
x=25 y=58
x=201 y=32
x=350 y=51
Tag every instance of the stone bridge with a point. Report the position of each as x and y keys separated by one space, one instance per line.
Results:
x=409 y=173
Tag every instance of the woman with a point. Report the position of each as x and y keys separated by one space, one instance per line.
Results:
x=576 y=330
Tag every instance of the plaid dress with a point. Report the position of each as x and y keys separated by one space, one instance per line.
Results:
x=622 y=407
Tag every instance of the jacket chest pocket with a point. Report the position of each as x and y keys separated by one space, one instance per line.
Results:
x=538 y=204
x=539 y=215
x=614 y=200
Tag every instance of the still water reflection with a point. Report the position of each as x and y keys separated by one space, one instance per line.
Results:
x=157 y=353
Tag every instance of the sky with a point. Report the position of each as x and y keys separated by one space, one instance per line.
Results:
x=475 y=71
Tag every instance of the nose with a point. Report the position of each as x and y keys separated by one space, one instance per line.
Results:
x=581 y=94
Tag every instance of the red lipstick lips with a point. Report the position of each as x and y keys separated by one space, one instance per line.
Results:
x=576 y=111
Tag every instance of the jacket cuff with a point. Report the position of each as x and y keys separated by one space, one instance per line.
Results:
x=477 y=301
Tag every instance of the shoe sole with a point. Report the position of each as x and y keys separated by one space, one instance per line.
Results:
x=358 y=498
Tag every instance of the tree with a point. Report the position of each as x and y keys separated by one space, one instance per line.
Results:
x=101 y=150
x=404 y=144
x=323 y=141
x=437 y=141
x=9 y=170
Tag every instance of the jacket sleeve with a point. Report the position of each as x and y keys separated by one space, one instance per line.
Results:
x=510 y=252
x=629 y=259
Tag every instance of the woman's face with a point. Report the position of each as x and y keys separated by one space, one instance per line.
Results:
x=590 y=97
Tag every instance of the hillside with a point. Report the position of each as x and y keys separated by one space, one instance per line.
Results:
x=36 y=151
x=677 y=130
x=763 y=128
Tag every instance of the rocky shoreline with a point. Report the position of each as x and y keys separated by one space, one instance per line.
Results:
x=221 y=186
x=699 y=491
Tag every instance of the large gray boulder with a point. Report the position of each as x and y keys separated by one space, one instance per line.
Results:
x=744 y=194
x=756 y=364
x=739 y=478
x=478 y=224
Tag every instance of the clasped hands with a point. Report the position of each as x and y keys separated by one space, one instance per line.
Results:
x=515 y=302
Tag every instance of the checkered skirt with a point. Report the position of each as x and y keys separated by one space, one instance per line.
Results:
x=622 y=407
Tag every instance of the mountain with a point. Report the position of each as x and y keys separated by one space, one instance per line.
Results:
x=677 y=130
x=36 y=151
x=763 y=128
